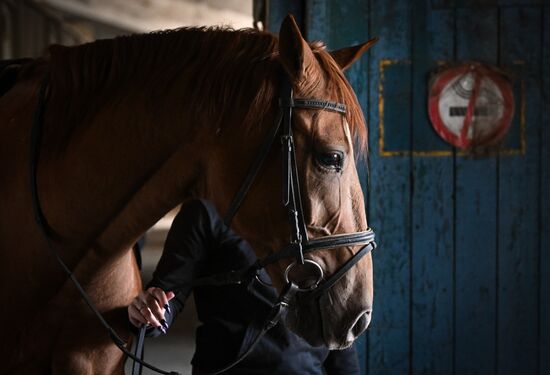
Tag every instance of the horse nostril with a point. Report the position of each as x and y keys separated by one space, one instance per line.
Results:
x=361 y=324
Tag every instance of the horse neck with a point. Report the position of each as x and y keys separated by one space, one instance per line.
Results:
x=133 y=160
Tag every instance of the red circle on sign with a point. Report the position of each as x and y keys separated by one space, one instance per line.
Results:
x=479 y=75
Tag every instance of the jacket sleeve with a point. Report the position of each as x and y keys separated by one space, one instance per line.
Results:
x=184 y=253
x=342 y=362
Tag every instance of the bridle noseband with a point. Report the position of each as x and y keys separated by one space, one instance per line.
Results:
x=299 y=246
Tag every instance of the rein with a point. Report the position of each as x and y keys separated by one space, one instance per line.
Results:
x=299 y=246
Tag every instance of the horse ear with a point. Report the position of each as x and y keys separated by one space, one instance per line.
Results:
x=295 y=54
x=347 y=56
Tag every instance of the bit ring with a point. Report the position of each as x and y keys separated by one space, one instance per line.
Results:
x=306 y=261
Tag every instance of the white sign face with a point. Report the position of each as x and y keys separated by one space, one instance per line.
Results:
x=470 y=105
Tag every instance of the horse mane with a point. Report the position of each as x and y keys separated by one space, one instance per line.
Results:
x=231 y=69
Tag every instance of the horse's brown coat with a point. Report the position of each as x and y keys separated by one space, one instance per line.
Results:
x=133 y=127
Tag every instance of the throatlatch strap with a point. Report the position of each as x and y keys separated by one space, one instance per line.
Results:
x=253 y=171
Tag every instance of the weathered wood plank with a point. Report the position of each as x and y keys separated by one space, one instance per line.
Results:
x=277 y=11
x=389 y=203
x=471 y=4
x=317 y=19
x=475 y=3
x=520 y=33
x=544 y=249
x=475 y=226
x=520 y=2
x=397 y=96
x=432 y=204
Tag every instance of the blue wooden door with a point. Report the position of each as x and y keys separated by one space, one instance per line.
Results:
x=462 y=273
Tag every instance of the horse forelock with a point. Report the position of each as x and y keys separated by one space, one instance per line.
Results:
x=337 y=83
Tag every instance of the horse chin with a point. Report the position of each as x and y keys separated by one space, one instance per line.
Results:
x=313 y=320
x=304 y=319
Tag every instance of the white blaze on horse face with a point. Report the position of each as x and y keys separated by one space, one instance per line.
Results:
x=347 y=133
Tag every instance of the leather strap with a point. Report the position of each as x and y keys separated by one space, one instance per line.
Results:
x=276 y=314
x=253 y=171
x=333 y=279
x=35 y=143
x=322 y=243
x=139 y=351
x=292 y=199
x=312 y=104
x=339 y=240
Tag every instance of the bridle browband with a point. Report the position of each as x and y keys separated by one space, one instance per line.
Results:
x=299 y=246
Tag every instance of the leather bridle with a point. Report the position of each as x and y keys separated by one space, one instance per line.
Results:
x=299 y=246
x=300 y=243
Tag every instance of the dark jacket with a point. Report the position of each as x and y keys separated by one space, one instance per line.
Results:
x=200 y=244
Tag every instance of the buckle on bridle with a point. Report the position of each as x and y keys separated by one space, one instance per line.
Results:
x=279 y=309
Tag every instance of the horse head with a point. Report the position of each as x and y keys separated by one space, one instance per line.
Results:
x=332 y=201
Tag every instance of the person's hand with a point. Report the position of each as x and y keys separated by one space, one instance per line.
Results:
x=149 y=307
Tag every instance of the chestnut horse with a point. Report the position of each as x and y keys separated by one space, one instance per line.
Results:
x=135 y=125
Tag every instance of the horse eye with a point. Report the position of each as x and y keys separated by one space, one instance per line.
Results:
x=333 y=160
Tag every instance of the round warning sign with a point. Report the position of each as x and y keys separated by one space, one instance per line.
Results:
x=471 y=105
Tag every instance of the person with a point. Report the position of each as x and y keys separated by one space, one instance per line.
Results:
x=200 y=244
